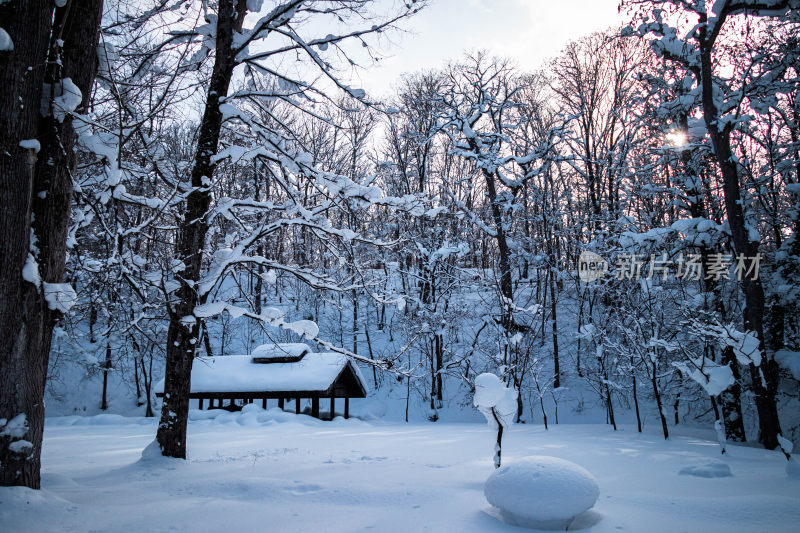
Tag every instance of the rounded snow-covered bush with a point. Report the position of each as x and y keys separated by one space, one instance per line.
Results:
x=489 y=390
x=492 y=394
x=541 y=492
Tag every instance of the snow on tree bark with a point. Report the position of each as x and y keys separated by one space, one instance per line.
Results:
x=45 y=178
x=182 y=337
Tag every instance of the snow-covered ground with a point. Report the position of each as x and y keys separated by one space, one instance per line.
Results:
x=269 y=471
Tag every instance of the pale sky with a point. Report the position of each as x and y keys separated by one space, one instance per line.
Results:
x=527 y=31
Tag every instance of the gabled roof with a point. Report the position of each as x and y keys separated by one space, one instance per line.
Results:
x=315 y=374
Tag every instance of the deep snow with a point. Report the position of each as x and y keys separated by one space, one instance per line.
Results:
x=270 y=471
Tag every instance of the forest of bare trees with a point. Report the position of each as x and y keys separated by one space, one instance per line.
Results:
x=182 y=179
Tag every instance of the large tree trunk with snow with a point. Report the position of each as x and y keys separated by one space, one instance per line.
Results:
x=182 y=336
x=765 y=389
x=21 y=376
x=36 y=195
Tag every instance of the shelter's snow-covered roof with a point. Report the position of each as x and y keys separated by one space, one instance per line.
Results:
x=238 y=373
x=278 y=351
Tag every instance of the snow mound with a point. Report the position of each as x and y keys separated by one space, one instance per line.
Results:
x=541 y=492
x=152 y=452
x=19 y=504
x=709 y=468
x=793 y=468
x=153 y=459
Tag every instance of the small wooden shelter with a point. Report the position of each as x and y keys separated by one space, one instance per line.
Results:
x=284 y=372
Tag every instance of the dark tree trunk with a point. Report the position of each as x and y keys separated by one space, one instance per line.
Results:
x=36 y=194
x=506 y=286
x=431 y=353
x=182 y=337
x=636 y=402
x=439 y=345
x=148 y=381
x=504 y=252
x=659 y=403
x=21 y=372
x=580 y=325
x=355 y=322
x=554 y=328
x=137 y=381
x=106 y=370
x=371 y=356
x=765 y=391
x=609 y=403
x=730 y=400
x=206 y=340
x=259 y=285
x=498 y=447
x=544 y=413
x=258 y=295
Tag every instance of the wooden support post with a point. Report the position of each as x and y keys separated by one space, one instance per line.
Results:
x=200 y=401
x=264 y=403
x=333 y=407
x=347 y=407
x=297 y=406
x=315 y=407
x=280 y=403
